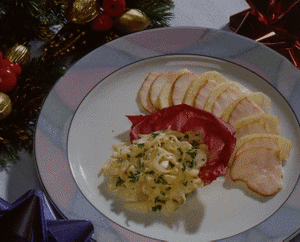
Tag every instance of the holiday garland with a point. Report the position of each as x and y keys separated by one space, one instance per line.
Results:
x=67 y=30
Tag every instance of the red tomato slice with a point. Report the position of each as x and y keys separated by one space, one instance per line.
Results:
x=217 y=134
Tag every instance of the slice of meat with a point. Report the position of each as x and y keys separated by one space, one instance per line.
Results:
x=240 y=108
x=165 y=96
x=257 y=160
x=199 y=82
x=258 y=123
x=268 y=141
x=224 y=100
x=156 y=87
x=180 y=87
x=144 y=92
x=204 y=93
x=260 y=169
x=261 y=99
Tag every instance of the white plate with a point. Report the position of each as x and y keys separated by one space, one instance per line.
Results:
x=218 y=211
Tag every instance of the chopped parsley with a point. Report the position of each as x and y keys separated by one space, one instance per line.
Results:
x=180 y=151
x=140 y=155
x=156 y=208
x=192 y=153
x=119 y=182
x=185 y=183
x=134 y=177
x=157 y=200
x=160 y=179
x=171 y=164
x=120 y=159
x=154 y=135
x=141 y=146
x=150 y=172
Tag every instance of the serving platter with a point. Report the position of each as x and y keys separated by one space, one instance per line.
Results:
x=85 y=112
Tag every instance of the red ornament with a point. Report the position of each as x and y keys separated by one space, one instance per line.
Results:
x=1 y=56
x=114 y=8
x=102 y=22
x=8 y=80
x=14 y=67
x=272 y=23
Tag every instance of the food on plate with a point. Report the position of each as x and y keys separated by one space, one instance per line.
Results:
x=180 y=87
x=157 y=171
x=200 y=82
x=257 y=160
x=171 y=153
x=262 y=123
x=218 y=135
x=248 y=112
x=144 y=90
x=165 y=96
x=156 y=87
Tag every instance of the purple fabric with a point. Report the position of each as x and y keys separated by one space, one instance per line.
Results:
x=30 y=218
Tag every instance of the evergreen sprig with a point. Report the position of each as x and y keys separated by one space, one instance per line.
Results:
x=20 y=21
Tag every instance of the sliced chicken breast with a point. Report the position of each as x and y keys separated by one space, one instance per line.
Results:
x=156 y=87
x=144 y=92
x=165 y=96
x=204 y=93
x=258 y=123
x=260 y=169
x=180 y=87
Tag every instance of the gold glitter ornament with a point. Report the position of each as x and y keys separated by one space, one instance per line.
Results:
x=132 y=20
x=18 y=54
x=5 y=106
x=82 y=11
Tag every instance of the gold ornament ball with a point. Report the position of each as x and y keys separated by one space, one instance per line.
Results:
x=18 y=54
x=82 y=11
x=5 y=106
x=132 y=20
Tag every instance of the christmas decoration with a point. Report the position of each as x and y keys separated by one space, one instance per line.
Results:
x=272 y=23
x=8 y=79
x=30 y=218
x=82 y=11
x=5 y=106
x=102 y=22
x=132 y=20
x=66 y=30
x=114 y=8
x=18 y=54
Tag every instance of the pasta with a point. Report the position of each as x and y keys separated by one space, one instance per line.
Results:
x=157 y=171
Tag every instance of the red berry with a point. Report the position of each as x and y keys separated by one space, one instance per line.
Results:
x=102 y=22
x=14 y=67
x=114 y=8
x=8 y=80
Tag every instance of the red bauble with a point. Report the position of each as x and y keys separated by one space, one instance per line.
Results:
x=14 y=67
x=8 y=80
x=1 y=56
x=114 y=8
x=102 y=22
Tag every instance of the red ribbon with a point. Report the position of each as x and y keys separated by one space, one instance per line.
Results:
x=274 y=23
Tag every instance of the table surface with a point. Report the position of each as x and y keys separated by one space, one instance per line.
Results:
x=21 y=177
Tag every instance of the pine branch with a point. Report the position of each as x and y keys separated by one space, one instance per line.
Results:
x=159 y=11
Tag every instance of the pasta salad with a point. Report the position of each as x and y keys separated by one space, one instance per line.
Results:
x=157 y=171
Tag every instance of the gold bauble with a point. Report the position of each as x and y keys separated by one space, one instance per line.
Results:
x=132 y=20
x=82 y=11
x=18 y=54
x=5 y=105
